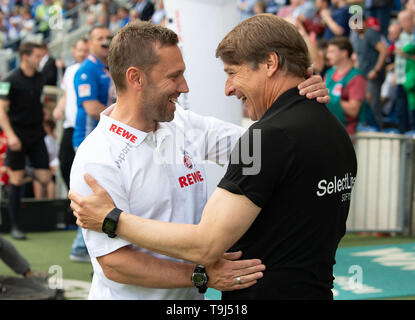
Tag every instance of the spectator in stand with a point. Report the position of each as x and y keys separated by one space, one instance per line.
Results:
x=95 y=7
x=47 y=66
x=134 y=15
x=388 y=91
x=67 y=108
x=15 y=24
x=28 y=23
x=336 y=20
x=3 y=29
x=274 y=5
x=245 y=9
x=346 y=84
x=371 y=55
x=315 y=26
x=260 y=7
x=123 y=16
x=405 y=112
x=145 y=8
x=42 y=17
x=304 y=8
x=380 y=9
x=113 y=24
x=160 y=14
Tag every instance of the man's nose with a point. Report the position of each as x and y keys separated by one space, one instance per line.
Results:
x=184 y=87
x=229 y=89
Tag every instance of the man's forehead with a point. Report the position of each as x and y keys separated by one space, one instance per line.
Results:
x=99 y=32
x=171 y=57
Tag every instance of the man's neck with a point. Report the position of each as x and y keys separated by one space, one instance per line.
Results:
x=104 y=60
x=27 y=70
x=283 y=84
x=344 y=66
x=128 y=111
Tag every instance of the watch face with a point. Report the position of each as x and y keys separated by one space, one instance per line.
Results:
x=199 y=279
x=109 y=225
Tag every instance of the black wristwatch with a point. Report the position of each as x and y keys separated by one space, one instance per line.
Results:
x=110 y=222
x=200 y=278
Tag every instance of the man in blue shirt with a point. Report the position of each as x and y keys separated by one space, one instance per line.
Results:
x=336 y=20
x=95 y=91
x=93 y=85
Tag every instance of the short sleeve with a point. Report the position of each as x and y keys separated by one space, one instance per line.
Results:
x=5 y=89
x=356 y=88
x=99 y=244
x=259 y=163
x=86 y=85
x=373 y=37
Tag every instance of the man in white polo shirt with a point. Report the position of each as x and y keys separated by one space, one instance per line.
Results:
x=67 y=108
x=148 y=154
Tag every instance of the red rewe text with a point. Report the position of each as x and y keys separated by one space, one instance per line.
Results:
x=122 y=132
x=190 y=179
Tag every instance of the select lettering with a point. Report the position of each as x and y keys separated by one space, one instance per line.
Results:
x=335 y=185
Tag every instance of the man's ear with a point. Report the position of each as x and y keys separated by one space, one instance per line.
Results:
x=272 y=64
x=135 y=78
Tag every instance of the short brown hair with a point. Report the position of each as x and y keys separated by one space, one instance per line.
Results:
x=255 y=38
x=26 y=48
x=343 y=43
x=134 y=46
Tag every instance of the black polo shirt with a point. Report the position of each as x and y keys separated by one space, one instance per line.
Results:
x=307 y=168
x=26 y=109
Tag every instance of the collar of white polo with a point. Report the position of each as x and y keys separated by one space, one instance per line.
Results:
x=121 y=131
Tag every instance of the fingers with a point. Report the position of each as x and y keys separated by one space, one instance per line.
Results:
x=94 y=185
x=310 y=81
x=245 y=281
x=244 y=264
x=310 y=71
x=324 y=100
x=76 y=200
x=313 y=88
x=232 y=255
x=322 y=93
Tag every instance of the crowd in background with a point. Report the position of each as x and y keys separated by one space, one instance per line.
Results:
x=20 y=18
x=365 y=51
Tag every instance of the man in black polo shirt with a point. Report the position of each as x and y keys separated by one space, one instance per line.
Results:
x=285 y=196
x=21 y=118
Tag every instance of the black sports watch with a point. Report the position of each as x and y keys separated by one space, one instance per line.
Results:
x=200 y=278
x=110 y=222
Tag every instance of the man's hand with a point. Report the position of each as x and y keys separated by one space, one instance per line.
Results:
x=14 y=143
x=314 y=87
x=224 y=274
x=91 y=211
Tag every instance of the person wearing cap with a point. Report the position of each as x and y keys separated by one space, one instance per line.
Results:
x=288 y=207
x=95 y=91
x=371 y=55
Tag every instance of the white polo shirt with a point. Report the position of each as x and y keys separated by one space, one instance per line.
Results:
x=67 y=85
x=157 y=175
